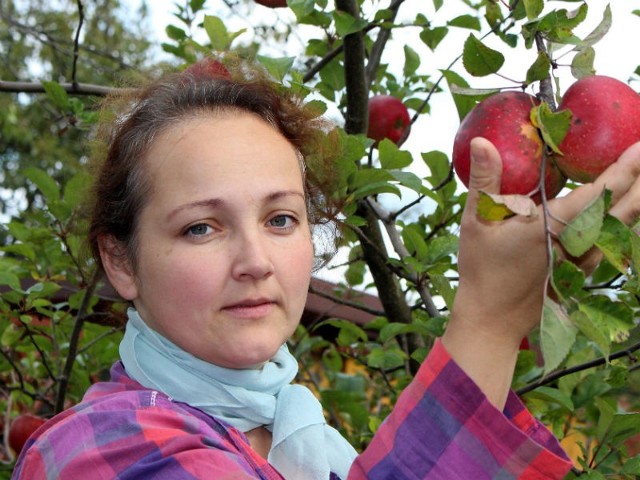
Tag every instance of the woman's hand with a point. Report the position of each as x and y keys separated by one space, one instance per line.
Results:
x=503 y=266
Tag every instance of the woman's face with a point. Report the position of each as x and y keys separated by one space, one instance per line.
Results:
x=225 y=251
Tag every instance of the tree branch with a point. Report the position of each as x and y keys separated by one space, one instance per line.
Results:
x=402 y=251
x=346 y=303
x=380 y=43
x=74 y=89
x=73 y=341
x=627 y=352
x=76 y=43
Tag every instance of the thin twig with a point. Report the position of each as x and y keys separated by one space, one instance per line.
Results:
x=578 y=368
x=76 y=43
x=347 y=303
x=75 y=89
x=73 y=341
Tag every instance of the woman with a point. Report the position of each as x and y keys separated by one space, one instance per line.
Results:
x=204 y=208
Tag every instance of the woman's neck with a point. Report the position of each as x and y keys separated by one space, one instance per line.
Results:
x=260 y=440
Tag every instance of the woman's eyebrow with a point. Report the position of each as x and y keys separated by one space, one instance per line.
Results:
x=213 y=203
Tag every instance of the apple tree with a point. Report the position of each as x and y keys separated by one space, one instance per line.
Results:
x=401 y=207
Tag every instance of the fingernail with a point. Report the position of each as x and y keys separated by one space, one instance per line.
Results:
x=479 y=156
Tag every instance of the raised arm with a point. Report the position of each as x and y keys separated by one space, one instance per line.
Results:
x=503 y=267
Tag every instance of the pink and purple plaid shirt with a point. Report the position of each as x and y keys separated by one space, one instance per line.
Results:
x=441 y=428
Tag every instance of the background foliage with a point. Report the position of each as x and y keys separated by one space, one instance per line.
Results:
x=60 y=325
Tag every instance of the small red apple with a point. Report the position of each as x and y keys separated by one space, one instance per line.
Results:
x=388 y=118
x=273 y=3
x=504 y=120
x=208 y=68
x=22 y=427
x=605 y=121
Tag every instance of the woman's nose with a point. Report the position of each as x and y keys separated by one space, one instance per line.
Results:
x=252 y=258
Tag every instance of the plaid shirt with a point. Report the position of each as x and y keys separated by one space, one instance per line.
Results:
x=442 y=428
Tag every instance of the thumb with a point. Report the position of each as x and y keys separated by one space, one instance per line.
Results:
x=486 y=167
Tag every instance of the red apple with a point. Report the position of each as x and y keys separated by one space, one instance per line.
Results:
x=388 y=118
x=273 y=3
x=504 y=120
x=605 y=121
x=22 y=427
x=208 y=68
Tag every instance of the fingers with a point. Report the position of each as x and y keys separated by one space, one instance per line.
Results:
x=621 y=178
x=486 y=166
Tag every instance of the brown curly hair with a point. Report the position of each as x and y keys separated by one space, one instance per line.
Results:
x=136 y=116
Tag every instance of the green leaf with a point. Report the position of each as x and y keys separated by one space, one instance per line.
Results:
x=635 y=251
x=11 y=280
x=594 y=330
x=552 y=125
x=386 y=358
x=553 y=395
x=368 y=176
x=196 y=5
x=465 y=21
x=615 y=243
x=217 y=32
x=347 y=24
x=540 y=69
x=277 y=67
x=622 y=427
x=58 y=95
x=332 y=360
x=632 y=466
x=393 y=329
x=443 y=288
x=433 y=36
x=349 y=332
x=301 y=8
x=581 y=233
x=10 y=335
x=480 y=60
x=413 y=238
x=533 y=8
x=439 y=167
x=616 y=316
x=411 y=61
x=489 y=209
x=175 y=33
x=557 y=335
x=441 y=247
x=75 y=189
x=42 y=289
x=464 y=101
x=599 y=32
x=47 y=185
x=408 y=179
x=500 y=207
x=391 y=157
x=582 y=63
x=567 y=279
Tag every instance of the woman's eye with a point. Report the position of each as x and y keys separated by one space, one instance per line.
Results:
x=199 y=230
x=282 y=221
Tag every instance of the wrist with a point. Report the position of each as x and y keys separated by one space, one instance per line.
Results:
x=487 y=358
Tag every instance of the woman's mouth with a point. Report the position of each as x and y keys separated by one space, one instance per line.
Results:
x=251 y=309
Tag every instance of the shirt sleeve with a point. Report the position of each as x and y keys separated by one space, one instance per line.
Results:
x=443 y=427
x=156 y=442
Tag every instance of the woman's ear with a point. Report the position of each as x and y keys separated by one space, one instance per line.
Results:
x=117 y=267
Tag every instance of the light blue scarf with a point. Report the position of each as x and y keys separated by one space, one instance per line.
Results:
x=303 y=445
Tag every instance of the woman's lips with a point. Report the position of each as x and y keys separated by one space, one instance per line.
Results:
x=251 y=309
